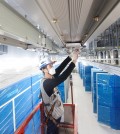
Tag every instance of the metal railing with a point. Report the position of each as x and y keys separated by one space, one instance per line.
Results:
x=22 y=127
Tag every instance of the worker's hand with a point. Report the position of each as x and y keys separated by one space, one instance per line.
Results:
x=75 y=55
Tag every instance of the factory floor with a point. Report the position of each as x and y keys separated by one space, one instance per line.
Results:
x=87 y=120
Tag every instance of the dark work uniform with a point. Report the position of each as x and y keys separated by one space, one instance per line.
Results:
x=50 y=84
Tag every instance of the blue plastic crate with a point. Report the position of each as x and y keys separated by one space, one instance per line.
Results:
x=108 y=90
x=36 y=89
x=115 y=118
x=36 y=78
x=24 y=93
x=104 y=114
x=94 y=104
x=6 y=119
x=87 y=69
x=35 y=94
x=93 y=77
x=23 y=107
x=87 y=84
x=11 y=91
x=87 y=77
x=114 y=81
x=110 y=79
x=83 y=82
x=88 y=87
x=109 y=116
x=105 y=96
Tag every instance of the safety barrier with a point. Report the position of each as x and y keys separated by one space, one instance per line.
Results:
x=69 y=124
x=71 y=120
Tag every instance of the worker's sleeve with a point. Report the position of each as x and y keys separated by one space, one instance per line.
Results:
x=60 y=68
x=50 y=84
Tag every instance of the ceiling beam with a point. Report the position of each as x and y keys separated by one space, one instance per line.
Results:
x=17 y=31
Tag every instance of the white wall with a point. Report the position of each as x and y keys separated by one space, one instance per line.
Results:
x=17 y=59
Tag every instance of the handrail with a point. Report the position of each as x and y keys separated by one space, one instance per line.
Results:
x=21 y=129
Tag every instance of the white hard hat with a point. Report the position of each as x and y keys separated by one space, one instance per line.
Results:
x=44 y=62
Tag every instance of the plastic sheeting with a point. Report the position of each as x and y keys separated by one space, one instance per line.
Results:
x=16 y=103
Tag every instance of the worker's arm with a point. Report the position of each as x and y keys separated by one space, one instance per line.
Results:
x=60 y=68
x=50 y=84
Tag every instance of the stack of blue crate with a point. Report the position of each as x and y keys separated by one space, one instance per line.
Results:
x=109 y=100
x=87 y=77
x=94 y=72
x=15 y=98
x=17 y=102
x=103 y=98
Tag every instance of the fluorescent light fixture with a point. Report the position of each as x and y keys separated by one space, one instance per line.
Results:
x=39 y=36
x=86 y=35
x=54 y=20
x=96 y=18
x=38 y=26
x=33 y=50
x=73 y=45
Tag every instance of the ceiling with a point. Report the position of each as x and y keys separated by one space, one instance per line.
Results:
x=64 y=21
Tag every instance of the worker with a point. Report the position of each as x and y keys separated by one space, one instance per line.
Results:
x=53 y=106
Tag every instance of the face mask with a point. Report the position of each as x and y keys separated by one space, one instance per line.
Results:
x=52 y=71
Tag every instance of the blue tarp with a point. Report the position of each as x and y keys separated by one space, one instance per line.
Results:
x=19 y=98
